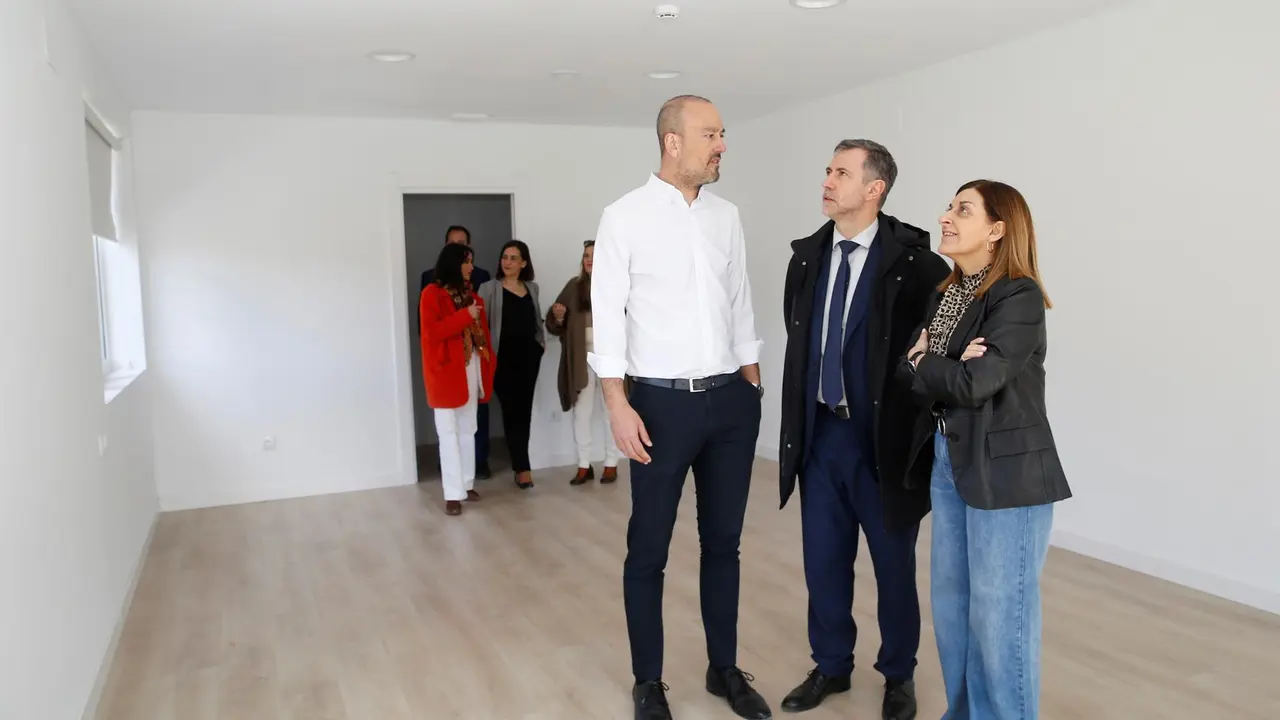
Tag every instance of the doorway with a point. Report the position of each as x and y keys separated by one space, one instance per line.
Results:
x=427 y=219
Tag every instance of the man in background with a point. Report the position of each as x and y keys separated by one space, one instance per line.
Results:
x=459 y=235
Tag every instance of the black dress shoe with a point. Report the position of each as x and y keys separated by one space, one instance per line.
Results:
x=735 y=686
x=815 y=688
x=899 y=700
x=482 y=471
x=651 y=701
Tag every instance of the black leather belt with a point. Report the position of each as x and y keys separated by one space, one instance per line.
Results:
x=691 y=385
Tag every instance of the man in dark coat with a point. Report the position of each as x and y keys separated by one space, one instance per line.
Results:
x=855 y=291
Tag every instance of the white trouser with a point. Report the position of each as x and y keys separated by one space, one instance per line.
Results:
x=456 y=428
x=583 y=410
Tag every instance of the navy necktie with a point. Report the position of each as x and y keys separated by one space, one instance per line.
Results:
x=832 y=364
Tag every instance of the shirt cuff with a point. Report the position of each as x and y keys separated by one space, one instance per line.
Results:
x=748 y=353
x=607 y=367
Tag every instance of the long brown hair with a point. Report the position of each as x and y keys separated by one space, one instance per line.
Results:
x=584 y=279
x=1015 y=255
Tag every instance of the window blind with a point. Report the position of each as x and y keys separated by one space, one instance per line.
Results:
x=100 y=182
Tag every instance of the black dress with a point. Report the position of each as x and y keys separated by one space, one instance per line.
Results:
x=519 y=357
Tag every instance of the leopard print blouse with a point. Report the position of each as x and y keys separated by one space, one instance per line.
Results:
x=955 y=301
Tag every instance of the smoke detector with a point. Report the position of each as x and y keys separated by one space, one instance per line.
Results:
x=667 y=12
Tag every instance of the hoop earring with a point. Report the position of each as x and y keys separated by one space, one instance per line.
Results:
x=991 y=246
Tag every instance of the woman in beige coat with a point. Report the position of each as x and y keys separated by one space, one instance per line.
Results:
x=570 y=320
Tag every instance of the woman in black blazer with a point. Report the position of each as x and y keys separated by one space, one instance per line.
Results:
x=979 y=364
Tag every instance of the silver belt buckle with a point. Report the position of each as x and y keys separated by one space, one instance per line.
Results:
x=693 y=385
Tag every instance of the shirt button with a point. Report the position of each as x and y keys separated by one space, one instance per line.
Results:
x=899 y=278
x=910 y=258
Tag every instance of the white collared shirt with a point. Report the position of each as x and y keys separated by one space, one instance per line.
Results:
x=857 y=259
x=670 y=296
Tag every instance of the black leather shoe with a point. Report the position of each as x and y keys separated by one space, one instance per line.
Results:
x=735 y=686
x=482 y=471
x=651 y=701
x=899 y=700
x=815 y=688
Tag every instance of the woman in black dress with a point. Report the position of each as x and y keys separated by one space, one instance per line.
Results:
x=511 y=301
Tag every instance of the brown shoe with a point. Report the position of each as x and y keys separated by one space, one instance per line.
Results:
x=609 y=475
x=473 y=496
x=453 y=507
x=585 y=475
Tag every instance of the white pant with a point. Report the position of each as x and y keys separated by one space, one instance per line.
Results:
x=583 y=410
x=456 y=428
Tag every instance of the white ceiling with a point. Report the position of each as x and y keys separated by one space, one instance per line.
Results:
x=497 y=56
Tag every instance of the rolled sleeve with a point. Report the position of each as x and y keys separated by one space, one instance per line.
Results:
x=748 y=353
x=610 y=286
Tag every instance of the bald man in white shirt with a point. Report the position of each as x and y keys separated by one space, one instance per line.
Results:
x=672 y=309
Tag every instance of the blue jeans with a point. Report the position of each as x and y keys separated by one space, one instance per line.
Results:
x=985 y=576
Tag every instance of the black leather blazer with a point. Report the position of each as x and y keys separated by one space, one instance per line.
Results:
x=992 y=408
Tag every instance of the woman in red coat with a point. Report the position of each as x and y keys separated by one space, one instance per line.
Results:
x=457 y=368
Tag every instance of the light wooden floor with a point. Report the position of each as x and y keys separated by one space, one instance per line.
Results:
x=377 y=606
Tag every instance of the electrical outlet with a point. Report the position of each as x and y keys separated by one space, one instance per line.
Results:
x=269 y=443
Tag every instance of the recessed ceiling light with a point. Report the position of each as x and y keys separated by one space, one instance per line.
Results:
x=391 y=56
x=815 y=4
x=470 y=116
x=664 y=74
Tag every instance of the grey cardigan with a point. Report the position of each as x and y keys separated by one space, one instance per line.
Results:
x=491 y=292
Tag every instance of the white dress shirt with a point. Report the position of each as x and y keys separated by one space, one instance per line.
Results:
x=857 y=259
x=669 y=291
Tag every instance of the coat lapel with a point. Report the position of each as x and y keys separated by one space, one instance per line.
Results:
x=867 y=280
x=964 y=326
x=890 y=249
x=809 y=251
x=881 y=256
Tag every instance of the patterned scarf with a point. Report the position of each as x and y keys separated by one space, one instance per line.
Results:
x=473 y=338
x=955 y=301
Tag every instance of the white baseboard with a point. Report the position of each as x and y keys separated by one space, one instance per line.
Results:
x=241 y=496
x=108 y=658
x=1177 y=573
x=1217 y=585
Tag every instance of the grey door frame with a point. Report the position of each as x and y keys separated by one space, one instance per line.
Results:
x=403 y=185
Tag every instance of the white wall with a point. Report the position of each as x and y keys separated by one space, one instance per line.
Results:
x=273 y=253
x=73 y=524
x=1145 y=140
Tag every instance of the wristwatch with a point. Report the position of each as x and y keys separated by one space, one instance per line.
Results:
x=759 y=389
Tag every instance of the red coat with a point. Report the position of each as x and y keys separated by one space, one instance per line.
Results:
x=443 y=368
